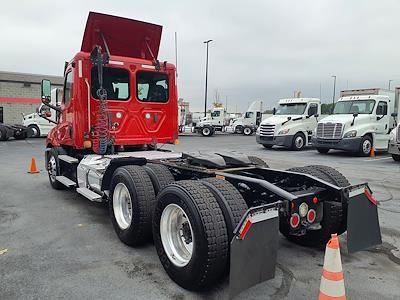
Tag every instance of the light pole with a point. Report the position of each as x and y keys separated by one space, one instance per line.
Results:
x=334 y=91
x=205 y=95
x=390 y=81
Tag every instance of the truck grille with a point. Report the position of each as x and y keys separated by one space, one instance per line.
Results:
x=329 y=130
x=267 y=130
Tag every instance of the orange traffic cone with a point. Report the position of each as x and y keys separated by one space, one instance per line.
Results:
x=372 y=153
x=34 y=168
x=332 y=280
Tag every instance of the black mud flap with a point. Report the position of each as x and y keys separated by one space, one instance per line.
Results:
x=254 y=248
x=363 y=229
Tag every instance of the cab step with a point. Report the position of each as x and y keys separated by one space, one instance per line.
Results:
x=92 y=196
x=68 y=159
x=66 y=181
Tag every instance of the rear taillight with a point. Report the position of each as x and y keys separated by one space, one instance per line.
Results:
x=294 y=220
x=311 y=215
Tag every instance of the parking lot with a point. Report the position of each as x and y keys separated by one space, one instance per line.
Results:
x=60 y=245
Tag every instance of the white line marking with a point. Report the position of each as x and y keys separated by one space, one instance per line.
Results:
x=375 y=159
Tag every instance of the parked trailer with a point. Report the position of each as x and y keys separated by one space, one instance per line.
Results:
x=16 y=131
x=206 y=212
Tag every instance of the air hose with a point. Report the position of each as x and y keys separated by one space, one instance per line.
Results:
x=101 y=131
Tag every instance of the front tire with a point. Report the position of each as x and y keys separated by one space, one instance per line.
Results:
x=54 y=169
x=365 y=146
x=267 y=146
x=396 y=157
x=35 y=131
x=131 y=204
x=190 y=235
x=247 y=131
x=207 y=131
x=299 y=141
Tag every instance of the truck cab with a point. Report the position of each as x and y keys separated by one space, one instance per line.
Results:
x=361 y=120
x=116 y=93
x=38 y=125
x=291 y=125
x=249 y=123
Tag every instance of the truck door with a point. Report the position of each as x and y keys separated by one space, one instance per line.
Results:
x=65 y=129
x=382 y=125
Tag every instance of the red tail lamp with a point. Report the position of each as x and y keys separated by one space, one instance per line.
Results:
x=294 y=220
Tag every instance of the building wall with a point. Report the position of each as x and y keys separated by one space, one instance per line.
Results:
x=22 y=86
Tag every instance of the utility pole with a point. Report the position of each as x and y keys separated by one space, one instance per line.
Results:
x=176 y=53
x=205 y=94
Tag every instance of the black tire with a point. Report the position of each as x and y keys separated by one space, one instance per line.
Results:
x=258 y=161
x=142 y=197
x=239 y=129
x=3 y=134
x=365 y=146
x=20 y=135
x=229 y=200
x=267 y=146
x=247 y=131
x=333 y=212
x=298 y=142
x=210 y=255
x=207 y=131
x=323 y=150
x=54 y=152
x=160 y=176
x=35 y=131
x=396 y=157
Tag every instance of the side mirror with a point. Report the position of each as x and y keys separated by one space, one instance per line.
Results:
x=355 y=115
x=394 y=115
x=45 y=91
x=316 y=115
x=274 y=111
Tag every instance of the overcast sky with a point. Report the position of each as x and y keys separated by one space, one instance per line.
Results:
x=261 y=49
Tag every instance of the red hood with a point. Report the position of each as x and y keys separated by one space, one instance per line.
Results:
x=124 y=37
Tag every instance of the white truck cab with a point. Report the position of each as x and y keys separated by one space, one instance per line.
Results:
x=215 y=122
x=249 y=123
x=38 y=125
x=362 y=119
x=291 y=125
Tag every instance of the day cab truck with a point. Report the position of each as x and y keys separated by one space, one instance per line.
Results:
x=291 y=125
x=206 y=212
x=249 y=122
x=208 y=125
x=362 y=119
x=37 y=124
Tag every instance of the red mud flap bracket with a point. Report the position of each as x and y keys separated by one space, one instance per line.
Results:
x=254 y=248
x=363 y=230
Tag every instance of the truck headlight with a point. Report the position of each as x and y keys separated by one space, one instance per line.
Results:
x=284 y=131
x=350 y=134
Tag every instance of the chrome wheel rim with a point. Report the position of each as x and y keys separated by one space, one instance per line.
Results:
x=34 y=132
x=247 y=131
x=206 y=131
x=52 y=168
x=122 y=206
x=176 y=235
x=367 y=146
x=299 y=142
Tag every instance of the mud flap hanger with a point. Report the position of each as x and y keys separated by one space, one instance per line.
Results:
x=363 y=230
x=254 y=248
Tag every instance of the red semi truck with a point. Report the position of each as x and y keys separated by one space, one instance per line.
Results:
x=206 y=212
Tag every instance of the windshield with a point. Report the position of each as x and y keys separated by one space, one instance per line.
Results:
x=249 y=114
x=351 y=107
x=215 y=114
x=291 y=109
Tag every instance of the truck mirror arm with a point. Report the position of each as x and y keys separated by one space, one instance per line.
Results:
x=354 y=118
x=47 y=119
x=56 y=108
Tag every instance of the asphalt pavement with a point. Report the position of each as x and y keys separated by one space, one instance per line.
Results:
x=58 y=245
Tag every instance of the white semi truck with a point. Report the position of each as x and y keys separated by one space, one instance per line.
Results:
x=394 y=139
x=252 y=118
x=215 y=122
x=362 y=120
x=38 y=125
x=291 y=125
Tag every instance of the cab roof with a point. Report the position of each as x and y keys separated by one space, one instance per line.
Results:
x=298 y=100
x=124 y=37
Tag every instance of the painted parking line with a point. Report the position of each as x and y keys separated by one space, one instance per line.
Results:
x=376 y=159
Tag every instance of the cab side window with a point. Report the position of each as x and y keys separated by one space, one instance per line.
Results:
x=381 y=109
x=313 y=109
x=68 y=84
